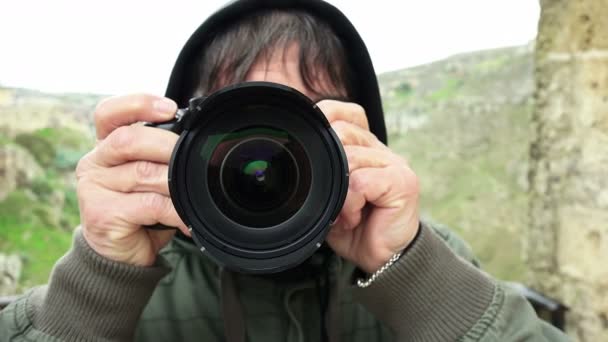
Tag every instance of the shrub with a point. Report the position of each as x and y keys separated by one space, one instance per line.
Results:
x=58 y=148
x=42 y=149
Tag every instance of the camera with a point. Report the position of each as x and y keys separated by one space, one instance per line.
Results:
x=257 y=175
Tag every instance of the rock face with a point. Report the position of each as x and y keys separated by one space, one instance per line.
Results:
x=10 y=271
x=568 y=236
x=17 y=169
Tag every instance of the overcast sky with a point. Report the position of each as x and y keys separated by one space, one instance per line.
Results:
x=120 y=46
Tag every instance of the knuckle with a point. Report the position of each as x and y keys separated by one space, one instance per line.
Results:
x=345 y=131
x=409 y=180
x=350 y=151
x=358 y=182
x=374 y=140
x=91 y=214
x=138 y=103
x=412 y=181
x=357 y=109
x=328 y=107
x=101 y=112
x=154 y=204
x=91 y=217
x=83 y=165
x=340 y=125
x=352 y=157
x=326 y=104
x=122 y=138
x=147 y=172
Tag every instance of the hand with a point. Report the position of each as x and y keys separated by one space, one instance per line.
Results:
x=380 y=215
x=122 y=183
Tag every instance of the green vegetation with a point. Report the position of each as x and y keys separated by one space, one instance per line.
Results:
x=470 y=152
x=59 y=148
x=473 y=186
x=27 y=232
x=36 y=222
x=490 y=65
x=448 y=90
x=37 y=218
x=39 y=147
x=404 y=89
x=4 y=140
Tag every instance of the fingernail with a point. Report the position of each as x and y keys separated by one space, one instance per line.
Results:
x=165 y=106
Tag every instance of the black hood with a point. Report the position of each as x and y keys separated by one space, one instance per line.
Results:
x=367 y=94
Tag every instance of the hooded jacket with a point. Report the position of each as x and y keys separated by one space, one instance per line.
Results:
x=434 y=292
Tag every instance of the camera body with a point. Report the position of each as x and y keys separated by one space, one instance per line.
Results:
x=257 y=174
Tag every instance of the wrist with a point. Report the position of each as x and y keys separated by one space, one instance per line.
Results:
x=363 y=283
x=373 y=264
x=132 y=250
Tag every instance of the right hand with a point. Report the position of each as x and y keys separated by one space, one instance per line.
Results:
x=122 y=183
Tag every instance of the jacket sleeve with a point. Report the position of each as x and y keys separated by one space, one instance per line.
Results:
x=435 y=292
x=89 y=298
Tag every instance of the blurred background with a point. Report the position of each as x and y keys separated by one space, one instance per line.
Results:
x=501 y=111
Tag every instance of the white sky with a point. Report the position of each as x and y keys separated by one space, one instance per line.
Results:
x=120 y=46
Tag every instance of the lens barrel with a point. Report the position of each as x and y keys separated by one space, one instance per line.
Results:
x=258 y=175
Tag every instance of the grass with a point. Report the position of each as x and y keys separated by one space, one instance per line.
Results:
x=24 y=232
x=38 y=246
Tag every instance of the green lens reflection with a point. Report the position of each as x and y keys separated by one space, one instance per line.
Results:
x=256 y=168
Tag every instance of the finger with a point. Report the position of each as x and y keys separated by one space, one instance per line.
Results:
x=350 y=134
x=136 y=176
x=338 y=238
x=362 y=157
x=352 y=211
x=148 y=208
x=129 y=143
x=344 y=111
x=124 y=110
x=387 y=187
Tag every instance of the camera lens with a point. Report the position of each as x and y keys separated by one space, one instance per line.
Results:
x=263 y=174
x=259 y=175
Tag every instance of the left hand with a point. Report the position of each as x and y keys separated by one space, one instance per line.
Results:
x=380 y=216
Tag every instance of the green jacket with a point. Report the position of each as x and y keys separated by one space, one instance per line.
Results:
x=434 y=292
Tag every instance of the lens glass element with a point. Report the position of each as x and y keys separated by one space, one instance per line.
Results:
x=258 y=176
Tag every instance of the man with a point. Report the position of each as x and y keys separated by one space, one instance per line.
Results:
x=385 y=277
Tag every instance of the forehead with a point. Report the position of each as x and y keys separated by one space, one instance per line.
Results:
x=282 y=65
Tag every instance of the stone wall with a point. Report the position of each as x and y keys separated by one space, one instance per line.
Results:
x=568 y=236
